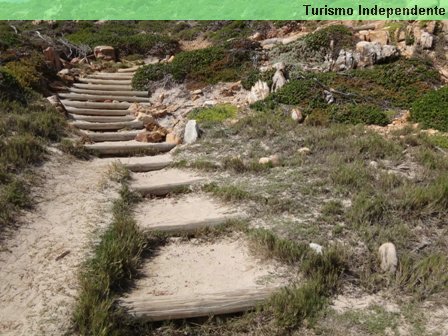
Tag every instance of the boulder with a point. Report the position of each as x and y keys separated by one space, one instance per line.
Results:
x=153 y=136
x=145 y=118
x=387 y=254
x=346 y=60
x=106 y=53
x=192 y=132
x=279 y=79
x=426 y=40
x=259 y=91
x=371 y=53
x=52 y=59
x=273 y=159
x=297 y=115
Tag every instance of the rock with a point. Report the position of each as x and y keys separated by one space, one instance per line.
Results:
x=378 y=36
x=196 y=92
x=106 y=53
x=170 y=59
x=192 y=132
x=426 y=40
x=279 y=79
x=54 y=101
x=153 y=136
x=52 y=58
x=259 y=91
x=256 y=37
x=346 y=60
x=172 y=138
x=371 y=53
x=316 y=248
x=145 y=118
x=297 y=115
x=328 y=96
x=273 y=159
x=209 y=103
x=304 y=151
x=388 y=257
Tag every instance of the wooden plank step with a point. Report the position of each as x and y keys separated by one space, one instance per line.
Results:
x=96 y=112
x=105 y=81
x=97 y=126
x=89 y=97
x=176 y=214
x=146 y=163
x=105 y=92
x=210 y=304
x=102 y=119
x=95 y=105
x=118 y=76
x=163 y=182
x=103 y=87
x=133 y=69
x=111 y=136
x=129 y=147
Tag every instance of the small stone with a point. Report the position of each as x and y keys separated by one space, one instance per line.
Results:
x=304 y=151
x=192 y=132
x=426 y=40
x=297 y=115
x=264 y=160
x=316 y=248
x=388 y=257
x=145 y=118
x=196 y=92
x=172 y=138
x=273 y=159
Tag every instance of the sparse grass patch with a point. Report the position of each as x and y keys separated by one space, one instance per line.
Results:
x=214 y=114
x=74 y=148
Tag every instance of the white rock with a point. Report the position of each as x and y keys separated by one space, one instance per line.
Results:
x=297 y=115
x=304 y=151
x=191 y=133
x=279 y=79
x=316 y=248
x=426 y=40
x=388 y=257
x=259 y=91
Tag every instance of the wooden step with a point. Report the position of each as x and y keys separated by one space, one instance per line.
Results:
x=210 y=304
x=129 y=147
x=105 y=81
x=119 y=76
x=89 y=97
x=126 y=70
x=163 y=182
x=103 y=87
x=111 y=136
x=101 y=119
x=96 y=112
x=95 y=105
x=105 y=92
x=98 y=126
x=177 y=214
x=146 y=163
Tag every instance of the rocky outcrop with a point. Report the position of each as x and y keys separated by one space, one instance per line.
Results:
x=52 y=59
x=192 y=132
x=371 y=53
x=279 y=79
x=258 y=92
x=426 y=40
x=106 y=53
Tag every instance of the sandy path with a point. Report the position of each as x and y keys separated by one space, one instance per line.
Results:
x=37 y=292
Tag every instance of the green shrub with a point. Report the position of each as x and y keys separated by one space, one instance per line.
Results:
x=10 y=88
x=431 y=110
x=341 y=36
x=19 y=151
x=8 y=38
x=29 y=71
x=358 y=114
x=216 y=113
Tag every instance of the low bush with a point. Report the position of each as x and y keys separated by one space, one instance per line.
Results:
x=358 y=114
x=431 y=110
x=10 y=88
x=214 y=114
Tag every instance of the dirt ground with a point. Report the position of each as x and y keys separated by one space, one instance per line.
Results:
x=39 y=261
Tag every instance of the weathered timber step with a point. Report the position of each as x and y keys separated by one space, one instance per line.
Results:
x=97 y=126
x=105 y=92
x=111 y=136
x=95 y=105
x=88 y=97
x=172 y=308
x=133 y=69
x=105 y=81
x=146 y=163
x=163 y=182
x=96 y=112
x=118 y=76
x=101 y=119
x=129 y=147
x=103 y=87
x=188 y=213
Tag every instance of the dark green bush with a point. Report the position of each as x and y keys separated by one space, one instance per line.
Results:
x=8 y=38
x=358 y=114
x=10 y=88
x=341 y=36
x=431 y=110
